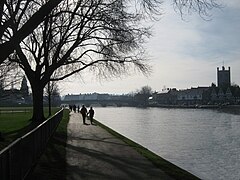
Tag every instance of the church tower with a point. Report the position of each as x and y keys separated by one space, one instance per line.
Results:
x=223 y=77
x=24 y=87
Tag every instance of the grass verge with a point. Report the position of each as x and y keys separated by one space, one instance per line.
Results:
x=170 y=169
x=15 y=122
x=52 y=164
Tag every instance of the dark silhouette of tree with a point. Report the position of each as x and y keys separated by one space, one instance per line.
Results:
x=53 y=95
x=202 y=7
x=14 y=26
x=142 y=95
x=102 y=36
x=235 y=89
x=10 y=74
x=14 y=10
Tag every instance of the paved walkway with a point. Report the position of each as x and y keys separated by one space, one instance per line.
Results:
x=93 y=153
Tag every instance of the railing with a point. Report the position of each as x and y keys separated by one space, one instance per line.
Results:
x=14 y=110
x=17 y=160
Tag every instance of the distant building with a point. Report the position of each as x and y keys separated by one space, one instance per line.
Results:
x=84 y=97
x=97 y=99
x=223 y=77
x=224 y=92
x=191 y=96
x=15 y=96
x=24 y=87
x=220 y=95
x=180 y=97
x=168 y=97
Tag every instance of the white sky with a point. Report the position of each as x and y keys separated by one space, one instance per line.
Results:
x=183 y=54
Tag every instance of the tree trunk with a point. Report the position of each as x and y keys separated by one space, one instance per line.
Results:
x=38 y=114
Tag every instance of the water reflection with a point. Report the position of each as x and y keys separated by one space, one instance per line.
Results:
x=204 y=142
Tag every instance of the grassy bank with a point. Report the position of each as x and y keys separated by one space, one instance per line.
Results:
x=170 y=169
x=52 y=164
x=15 y=122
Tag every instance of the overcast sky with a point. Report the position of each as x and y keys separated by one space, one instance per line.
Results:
x=183 y=54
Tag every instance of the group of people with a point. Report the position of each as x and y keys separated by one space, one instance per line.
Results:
x=85 y=112
x=74 y=108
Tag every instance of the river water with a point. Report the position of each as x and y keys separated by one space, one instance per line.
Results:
x=203 y=142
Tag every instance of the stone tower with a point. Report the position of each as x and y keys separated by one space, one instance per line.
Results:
x=223 y=77
x=24 y=87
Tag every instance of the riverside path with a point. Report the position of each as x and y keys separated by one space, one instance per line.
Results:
x=93 y=153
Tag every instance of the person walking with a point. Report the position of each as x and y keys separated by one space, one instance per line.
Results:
x=84 y=113
x=91 y=114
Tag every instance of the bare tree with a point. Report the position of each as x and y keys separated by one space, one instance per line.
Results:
x=102 y=36
x=53 y=95
x=202 y=7
x=99 y=35
x=146 y=90
x=14 y=27
x=13 y=10
x=142 y=95
x=10 y=74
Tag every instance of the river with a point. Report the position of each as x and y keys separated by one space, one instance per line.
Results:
x=203 y=142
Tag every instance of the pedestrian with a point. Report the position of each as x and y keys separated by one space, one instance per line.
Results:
x=74 y=108
x=84 y=113
x=91 y=114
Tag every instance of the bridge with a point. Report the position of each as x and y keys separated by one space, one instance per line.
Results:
x=101 y=103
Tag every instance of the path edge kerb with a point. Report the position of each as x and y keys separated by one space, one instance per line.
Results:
x=167 y=167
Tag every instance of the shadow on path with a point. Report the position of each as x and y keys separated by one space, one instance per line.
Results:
x=93 y=153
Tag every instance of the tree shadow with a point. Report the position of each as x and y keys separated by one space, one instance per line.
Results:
x=52 y=164
x=10 y=136
x=125 y=165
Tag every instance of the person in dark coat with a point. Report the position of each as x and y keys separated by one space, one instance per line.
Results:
x=91 y=114
x=84 y=113
x=74 y=108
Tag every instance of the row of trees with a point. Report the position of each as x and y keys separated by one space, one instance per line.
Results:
x=51 y=40
x=142 y=95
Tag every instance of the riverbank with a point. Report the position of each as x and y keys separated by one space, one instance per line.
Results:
x=205 y=142
x=96 y=151
x=219 y=106
x=93 y=153
x=167 y=167
x=232 y=109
